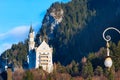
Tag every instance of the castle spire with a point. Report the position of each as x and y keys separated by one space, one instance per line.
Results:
x=31 y=29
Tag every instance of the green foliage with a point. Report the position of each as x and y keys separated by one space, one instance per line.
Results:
x=98 y=71
x=91 y=56
x=87 y=70
x=28 y=76
x=17 y=55
x=79 y=32
x=97 y=59
x=109 y=74
x=65 y=40
x=60 y=68
x=73 y=68
x=115 y=52
x=66 y=37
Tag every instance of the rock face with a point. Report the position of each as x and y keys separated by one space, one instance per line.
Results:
x=57 y=15
x=52 y=20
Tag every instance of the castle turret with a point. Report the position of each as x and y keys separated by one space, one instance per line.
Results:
x=31 y=39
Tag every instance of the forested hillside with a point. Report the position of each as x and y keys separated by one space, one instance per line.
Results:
x=73 y=29
x=66 y=35
x=80 y=31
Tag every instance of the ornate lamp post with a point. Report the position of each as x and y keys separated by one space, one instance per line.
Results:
x=108 y=60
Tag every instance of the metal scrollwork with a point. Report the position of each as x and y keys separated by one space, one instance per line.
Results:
x=108 y=37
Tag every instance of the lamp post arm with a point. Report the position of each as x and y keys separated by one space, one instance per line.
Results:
x=108 y=37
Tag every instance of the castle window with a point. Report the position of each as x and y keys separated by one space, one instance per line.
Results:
x=44 y=56
x=44 y=60
x=44 y=53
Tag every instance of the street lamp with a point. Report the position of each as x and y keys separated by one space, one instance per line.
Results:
x=108 y=60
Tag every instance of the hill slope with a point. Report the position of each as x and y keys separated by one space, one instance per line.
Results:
x=80 y=30
x=64 y=37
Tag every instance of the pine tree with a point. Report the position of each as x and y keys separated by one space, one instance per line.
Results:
x=87 y=70
x=99 y=71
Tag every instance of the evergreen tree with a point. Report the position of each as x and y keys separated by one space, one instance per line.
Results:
x=87 y=70
x=115 y=52
x=98 y=71
x=73 y=68
x=109 y=74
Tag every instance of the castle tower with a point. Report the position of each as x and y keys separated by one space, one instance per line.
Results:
x=31 y=54
x=39 y=56
x=31 y=39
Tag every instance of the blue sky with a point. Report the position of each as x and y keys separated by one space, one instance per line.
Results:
x=16 y=16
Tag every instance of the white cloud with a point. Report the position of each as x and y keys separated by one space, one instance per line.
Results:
x=13 y=36
x=17 y=32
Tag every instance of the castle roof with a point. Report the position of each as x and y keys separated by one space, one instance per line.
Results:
x=43 y=46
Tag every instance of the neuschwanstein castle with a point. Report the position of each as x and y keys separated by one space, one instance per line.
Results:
x=39 y=56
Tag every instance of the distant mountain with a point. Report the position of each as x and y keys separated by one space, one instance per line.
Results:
x=73 y=29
